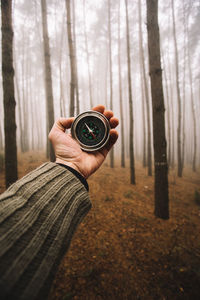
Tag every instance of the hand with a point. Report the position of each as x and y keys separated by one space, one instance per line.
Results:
x=68 y=151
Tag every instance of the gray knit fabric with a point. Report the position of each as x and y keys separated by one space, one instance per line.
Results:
x=38 y=216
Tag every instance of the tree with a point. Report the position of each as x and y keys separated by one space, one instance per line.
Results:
x=111 y=74
x=146 y=92
x=75 y=54
x=180 y=169
x=193 y=108
x=48 y=79
x=160 y=153
x=120 y=93
x=87 y=55
x=8 y=93
x=72 y=60
x=131 y=147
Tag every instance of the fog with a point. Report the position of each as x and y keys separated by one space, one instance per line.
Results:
x=90 y=29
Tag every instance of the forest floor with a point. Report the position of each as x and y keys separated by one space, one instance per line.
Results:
x=120 y=250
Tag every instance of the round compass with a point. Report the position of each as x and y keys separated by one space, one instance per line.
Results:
x=91 y=130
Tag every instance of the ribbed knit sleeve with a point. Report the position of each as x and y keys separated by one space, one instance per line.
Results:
x=38 y=216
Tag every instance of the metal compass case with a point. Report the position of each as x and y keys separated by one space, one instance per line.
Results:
x=91 y=129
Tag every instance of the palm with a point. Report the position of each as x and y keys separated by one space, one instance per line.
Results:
x=69 y=150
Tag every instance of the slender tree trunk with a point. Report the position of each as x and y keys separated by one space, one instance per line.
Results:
x=8 y=93
x=168 y=111
x=72 y=59
x=178 y=95
x=193 y=109
x=120 y=93
x=142 y=62
x=160 y=155
x=171 y=104
x=18 y=106
x=184 y=69
x=75 y=54
x=88 y=56
x=111 y=75
x=1 y=138
x=48 y=79
x=131 y=146
x=144 y=160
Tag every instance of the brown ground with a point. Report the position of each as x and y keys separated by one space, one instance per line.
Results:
x=121 y=251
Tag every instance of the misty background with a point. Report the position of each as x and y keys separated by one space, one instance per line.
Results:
x=89 y=21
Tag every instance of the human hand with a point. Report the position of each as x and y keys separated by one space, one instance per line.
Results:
x=68 y=151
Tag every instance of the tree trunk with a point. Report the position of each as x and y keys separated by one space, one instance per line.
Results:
x=8 y=93
x=144 y=159
x=171 y=104
x=146 y=92
x=160 y=155
x=111 y=75
x=1 y=138
x=168 y=111
x=120 y=93
x=178 y=95
x=193 y=109
x=88 y=57
x=75 y=58
x=72 y=59
x=131 y=146
x=48 y=80
x=183 y=97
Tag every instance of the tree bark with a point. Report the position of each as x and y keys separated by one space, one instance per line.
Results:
x=48 y=79
x=72 y=59
x=146 y=92
x=120 y=93
x=160 y=155
x=193 y=109
x=88 y=57
x=8 y=93
x=111 y=75
x=131 y=146
x=75 y=58
x=168 y=111
x=178 y=94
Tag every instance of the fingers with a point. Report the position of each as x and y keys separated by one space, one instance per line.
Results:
x=63 y=123
x=60 y=126
x=112 y=140
x=114 y=122
x=99 y=108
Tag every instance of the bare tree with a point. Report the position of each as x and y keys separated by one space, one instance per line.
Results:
x=75 y=54
x=160 y=153
x=111 y=74
x=72 y=59
x=131 y=146
x=48 y=79
x=88 y=56
x=146 y=92
x=180 y=169
x=120 y=93
x=8 y=93
x=168 y=109
x=193 y=109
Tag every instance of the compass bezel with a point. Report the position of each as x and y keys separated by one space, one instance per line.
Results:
x=106 y=126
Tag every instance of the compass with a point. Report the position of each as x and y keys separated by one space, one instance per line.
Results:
x=91 y=130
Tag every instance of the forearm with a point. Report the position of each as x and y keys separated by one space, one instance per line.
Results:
x=38 y=216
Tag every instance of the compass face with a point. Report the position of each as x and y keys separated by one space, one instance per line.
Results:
x=91 y=130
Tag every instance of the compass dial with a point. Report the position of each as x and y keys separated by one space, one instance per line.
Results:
x=91 y=129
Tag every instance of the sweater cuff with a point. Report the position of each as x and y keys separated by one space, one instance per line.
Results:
x=77 y=174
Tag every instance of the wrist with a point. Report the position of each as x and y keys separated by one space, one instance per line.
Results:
x=69 y=164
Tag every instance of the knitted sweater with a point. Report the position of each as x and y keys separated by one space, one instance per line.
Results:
x=38 y=216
